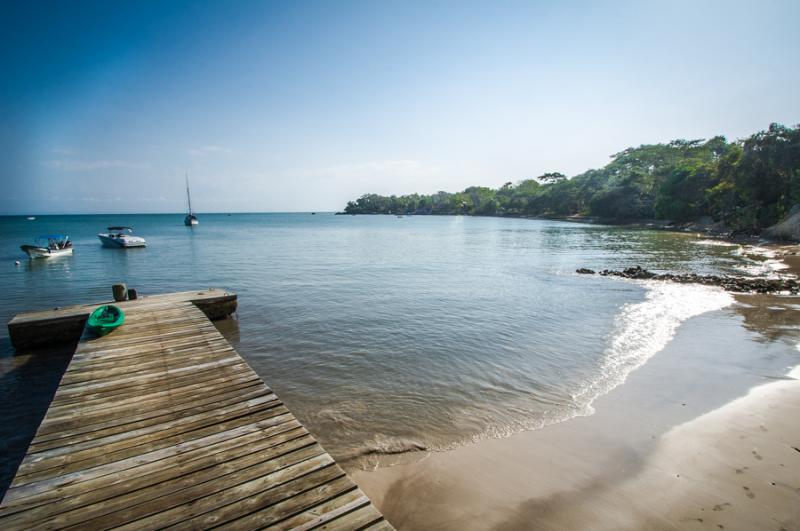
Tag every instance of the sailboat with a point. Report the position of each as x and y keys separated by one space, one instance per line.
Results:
x=190 y=218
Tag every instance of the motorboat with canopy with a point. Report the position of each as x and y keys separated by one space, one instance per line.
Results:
x=121 y=237
x=49 y=246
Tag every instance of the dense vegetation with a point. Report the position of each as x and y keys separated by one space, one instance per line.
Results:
x=747 y=185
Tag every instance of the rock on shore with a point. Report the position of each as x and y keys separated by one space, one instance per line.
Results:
x=734 y=284
x=788 y=229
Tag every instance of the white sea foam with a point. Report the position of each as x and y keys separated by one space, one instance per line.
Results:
x=768 y=269
x=768 y=266
x=643 y=329
x=640 y=331
x=716 y=243
x=756 y=249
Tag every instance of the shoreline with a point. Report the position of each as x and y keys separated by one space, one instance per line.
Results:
x=729 y=460
x=733 y=468
x=693 y=227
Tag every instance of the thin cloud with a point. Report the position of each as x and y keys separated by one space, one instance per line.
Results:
x=90 y=165
x=383 y=168
x=207 y=150
x=159 y=199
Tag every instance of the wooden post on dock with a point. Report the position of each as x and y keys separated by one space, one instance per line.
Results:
x=120 y=292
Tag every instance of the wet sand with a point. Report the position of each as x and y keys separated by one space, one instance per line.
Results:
x=737 y=467
x=701 y=437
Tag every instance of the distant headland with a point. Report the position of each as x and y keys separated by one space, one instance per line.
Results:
x=743 y=187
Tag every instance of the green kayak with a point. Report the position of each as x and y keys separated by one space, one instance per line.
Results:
x=105 y=319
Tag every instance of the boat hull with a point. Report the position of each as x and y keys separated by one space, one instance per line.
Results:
x=34 y=251
x=121 y=242
x=190 y=221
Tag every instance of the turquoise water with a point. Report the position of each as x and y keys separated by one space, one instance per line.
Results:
x=387 y=334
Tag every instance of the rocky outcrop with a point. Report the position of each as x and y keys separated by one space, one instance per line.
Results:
x=735 y=284
x=786 y=230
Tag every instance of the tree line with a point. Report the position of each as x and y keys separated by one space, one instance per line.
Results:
x=746 y=184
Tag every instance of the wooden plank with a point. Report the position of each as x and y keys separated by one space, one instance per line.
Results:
x=320 y=514
x=72 y=435
x=189 y=417
x=380 y=525
x=162 y=424
x=172 y=393
x=134 y=355
x=53 y=484
x=290 y=506
x=88 y=388
x=109 y=373
x=226 y=371
x=187 y=333
x=107 y=350
x=156 y=486
x=263 y=490
x=240 y=442
x=38 y=466
x=364 y=516
x=127 y=411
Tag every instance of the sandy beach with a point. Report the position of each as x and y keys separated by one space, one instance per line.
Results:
x=737 y=467
x=678 y=446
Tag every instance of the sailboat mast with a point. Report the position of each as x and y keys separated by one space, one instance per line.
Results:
x=188 y=196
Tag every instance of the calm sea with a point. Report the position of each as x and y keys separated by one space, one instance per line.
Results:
x=387 y=334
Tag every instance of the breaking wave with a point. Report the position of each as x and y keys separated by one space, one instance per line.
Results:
x=760 y=261
x=715 y=243
x=640 y=330
x=385 y=445
x=643 y=329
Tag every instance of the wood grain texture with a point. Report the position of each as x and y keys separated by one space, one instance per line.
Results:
x=162 y=424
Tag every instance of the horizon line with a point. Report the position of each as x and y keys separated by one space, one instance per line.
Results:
x=34 y=214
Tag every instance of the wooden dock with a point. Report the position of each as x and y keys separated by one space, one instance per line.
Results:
x=64 y=326
x=162 y=424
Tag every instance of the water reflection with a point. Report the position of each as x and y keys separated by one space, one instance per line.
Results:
x=57 y=264
x=772 y=317
x=427 y=330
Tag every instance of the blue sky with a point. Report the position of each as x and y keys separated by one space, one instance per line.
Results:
x=290 y=106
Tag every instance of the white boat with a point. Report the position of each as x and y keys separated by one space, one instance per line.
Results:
x=121 y=237
x=190 y=218
x=49 y=246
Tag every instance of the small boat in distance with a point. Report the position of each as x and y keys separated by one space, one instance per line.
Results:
x=121 y=237
x=48 y=246
x=190 y=218
x=31 y=218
